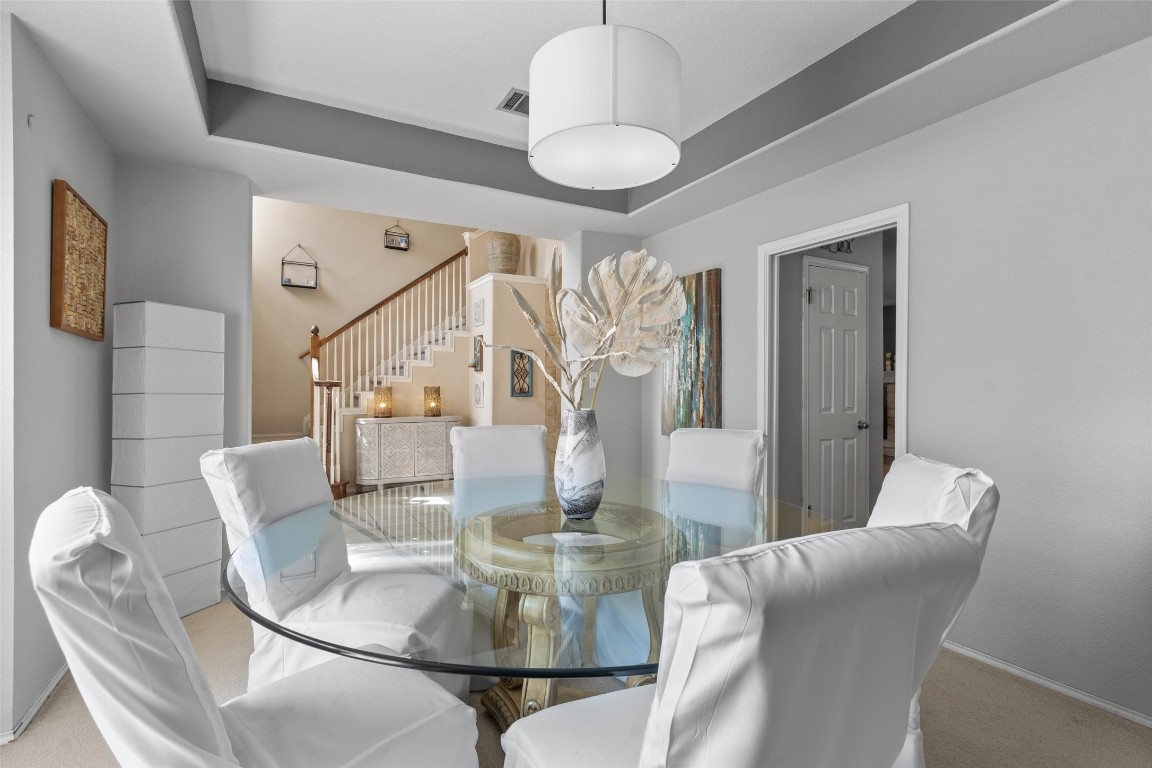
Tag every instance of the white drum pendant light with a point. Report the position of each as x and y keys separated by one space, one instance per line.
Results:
x=605 y=108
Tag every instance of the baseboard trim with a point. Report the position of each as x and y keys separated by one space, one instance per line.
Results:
x=14 y=734
x=1070 y=692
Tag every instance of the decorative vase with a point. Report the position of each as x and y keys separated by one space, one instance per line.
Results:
x=503 y=253
x=579 y=468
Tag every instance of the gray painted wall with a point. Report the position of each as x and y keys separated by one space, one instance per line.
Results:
x=176 y=235
x=1028 y=213
x=618 y=402
x=185 y=237
x=60 y=427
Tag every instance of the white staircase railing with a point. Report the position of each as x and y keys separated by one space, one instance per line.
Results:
x=383 y=340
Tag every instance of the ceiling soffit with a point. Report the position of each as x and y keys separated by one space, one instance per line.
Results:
x=913 y=38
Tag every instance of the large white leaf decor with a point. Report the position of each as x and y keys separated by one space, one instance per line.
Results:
x=641 y=306
x=632 y=323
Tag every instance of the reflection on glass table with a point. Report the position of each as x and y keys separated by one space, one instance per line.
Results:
x=548 y=598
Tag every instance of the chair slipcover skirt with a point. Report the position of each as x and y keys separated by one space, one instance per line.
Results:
x=134 y=665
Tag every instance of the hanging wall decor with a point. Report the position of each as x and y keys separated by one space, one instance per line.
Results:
x=79 y=264
x=396 y=238
x=295 y=273
x=477 y=361
x=521 y=376
x=692 y=377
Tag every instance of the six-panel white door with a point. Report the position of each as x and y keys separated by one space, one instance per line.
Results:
x=836 y=392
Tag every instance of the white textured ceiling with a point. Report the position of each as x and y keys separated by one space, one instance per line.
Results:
x=446 y=64
x=125 y=63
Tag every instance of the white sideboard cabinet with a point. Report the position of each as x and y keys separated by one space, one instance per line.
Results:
x=168 y=409
x=404 y=448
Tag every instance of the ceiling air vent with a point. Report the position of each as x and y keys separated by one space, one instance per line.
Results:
x=516 y=102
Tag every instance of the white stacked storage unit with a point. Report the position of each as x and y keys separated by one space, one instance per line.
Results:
x=168 y=409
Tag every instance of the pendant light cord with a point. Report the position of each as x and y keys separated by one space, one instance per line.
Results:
x=604 y=13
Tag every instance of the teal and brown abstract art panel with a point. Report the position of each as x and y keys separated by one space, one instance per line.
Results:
x=692 y=377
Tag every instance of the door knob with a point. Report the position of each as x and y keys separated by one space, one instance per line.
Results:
x=862 y=424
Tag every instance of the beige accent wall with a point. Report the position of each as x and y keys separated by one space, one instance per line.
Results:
x=356 y=271
x=536 y=255
x=503 y=324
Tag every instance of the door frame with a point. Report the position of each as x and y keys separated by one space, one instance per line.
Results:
x=768 y=258
x=805 y=362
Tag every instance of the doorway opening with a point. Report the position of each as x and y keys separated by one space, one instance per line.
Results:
x=832 y=379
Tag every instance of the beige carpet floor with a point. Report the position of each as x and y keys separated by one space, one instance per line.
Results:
x=973 y=715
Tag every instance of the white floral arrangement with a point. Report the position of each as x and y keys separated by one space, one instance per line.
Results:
x=632 y=322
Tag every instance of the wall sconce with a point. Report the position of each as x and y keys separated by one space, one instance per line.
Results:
x=383 y=402
x=431 y=401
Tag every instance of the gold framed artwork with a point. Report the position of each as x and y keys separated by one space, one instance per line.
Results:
x=79 y=264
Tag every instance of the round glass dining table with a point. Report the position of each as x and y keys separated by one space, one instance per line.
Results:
x=546 y=597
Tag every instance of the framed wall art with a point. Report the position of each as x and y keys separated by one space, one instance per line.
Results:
x=478 y=394
x=521 y=367
x=478 y=313
x=79 y=264
x=477 y=361
x=692 y=386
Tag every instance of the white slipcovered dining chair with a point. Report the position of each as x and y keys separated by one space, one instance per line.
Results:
x=503 y=450
x=494 y=466
x=134 y=665
x=798 y=654
x=413 y=613
x=922 y=490
x=919 y=490
x=728 y=458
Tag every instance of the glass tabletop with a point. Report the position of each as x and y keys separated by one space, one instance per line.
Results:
x=593 y=588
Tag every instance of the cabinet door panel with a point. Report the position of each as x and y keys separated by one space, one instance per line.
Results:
x=431 y=449
x=367 y=439
x=397 y=450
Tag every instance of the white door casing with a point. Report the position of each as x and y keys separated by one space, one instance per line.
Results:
x=835 y=393
x=769 y=256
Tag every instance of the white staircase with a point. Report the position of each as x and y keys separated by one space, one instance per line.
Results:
x=399 y=368
x=395 y=343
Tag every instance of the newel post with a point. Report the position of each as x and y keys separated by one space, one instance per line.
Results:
x=314 y=368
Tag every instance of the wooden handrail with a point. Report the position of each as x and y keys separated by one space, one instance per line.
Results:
x=395 y=294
